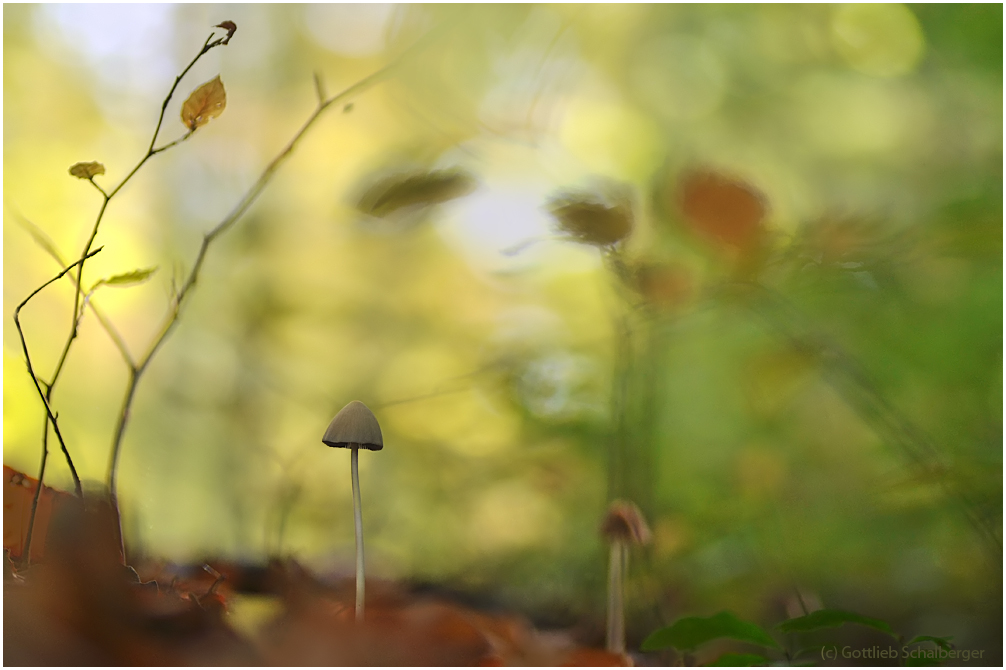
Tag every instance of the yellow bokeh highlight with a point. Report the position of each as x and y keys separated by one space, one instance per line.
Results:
x=511 y=516
x=611 y=138
x=883 y=40
x=849 y=116
x=22 y=411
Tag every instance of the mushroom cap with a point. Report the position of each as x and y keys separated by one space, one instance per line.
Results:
x=624 y=522
x=354 y=426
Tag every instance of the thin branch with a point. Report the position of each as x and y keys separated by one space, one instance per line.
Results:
x=26 y=555
x=319 y=88
x=31 y=370
x=207 y=45
x=78 y=309
x=167 y=146
x=100 y=190
x=249 y=198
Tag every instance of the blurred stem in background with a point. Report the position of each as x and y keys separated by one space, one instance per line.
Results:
x=857 y=388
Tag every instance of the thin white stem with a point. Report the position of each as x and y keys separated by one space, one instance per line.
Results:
x=358 y=518
x=616 y=598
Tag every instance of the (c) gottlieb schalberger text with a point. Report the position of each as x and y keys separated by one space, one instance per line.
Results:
x=877 y=652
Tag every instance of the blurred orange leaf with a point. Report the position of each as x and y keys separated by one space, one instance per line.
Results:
x=206 y=102
x=728 y=211
x=18 y=492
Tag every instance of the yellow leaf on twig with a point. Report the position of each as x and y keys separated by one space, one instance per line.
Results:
x=206 y=102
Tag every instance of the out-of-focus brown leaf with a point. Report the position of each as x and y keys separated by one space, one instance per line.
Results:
x=82 y=605
x=593 y=218
x=321 y=631
x=230 y=27
x=726 y=211
x=399 y=191
x=206 y=102
x=595 y=658
x=18 y=492
x=664 y=286
x=87 y=170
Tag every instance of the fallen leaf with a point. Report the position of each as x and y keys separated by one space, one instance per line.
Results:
x=18 y=493
x=87 y=170
x=206 y=102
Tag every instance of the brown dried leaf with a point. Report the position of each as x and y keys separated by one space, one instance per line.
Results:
x=87 y=170
x=206 y=102
x=599 y=218
x=230 y=27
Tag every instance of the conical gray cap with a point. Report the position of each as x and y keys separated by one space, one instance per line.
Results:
x=354 y=425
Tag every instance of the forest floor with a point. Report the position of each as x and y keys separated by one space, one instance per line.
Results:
x=78 y=603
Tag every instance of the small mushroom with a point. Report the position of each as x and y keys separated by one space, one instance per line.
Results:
x=355 y=427
x=623 y=525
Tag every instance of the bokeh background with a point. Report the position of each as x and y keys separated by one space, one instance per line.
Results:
x=520 y=378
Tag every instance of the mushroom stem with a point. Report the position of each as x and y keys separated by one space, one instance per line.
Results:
x=616 y=598
x=358 y=518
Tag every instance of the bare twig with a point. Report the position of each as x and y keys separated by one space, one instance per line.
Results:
x=100 y=190
x=78 y=309
x=319 y=88
x=175 y=310
x=26 y=554
x=31 y=370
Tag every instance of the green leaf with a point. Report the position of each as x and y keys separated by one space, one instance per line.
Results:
x=127 y=278
x=738 y=661
x=688 y=633
x=941 y=642
x=831 y=619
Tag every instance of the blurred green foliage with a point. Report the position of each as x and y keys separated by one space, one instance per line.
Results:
x=518 y=390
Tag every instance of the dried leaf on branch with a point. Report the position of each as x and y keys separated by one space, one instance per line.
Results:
x=206 y=102
x=87 y=170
